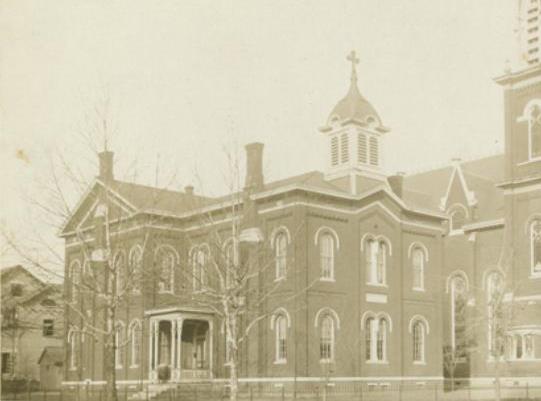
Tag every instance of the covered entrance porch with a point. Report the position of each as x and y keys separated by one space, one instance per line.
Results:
x=180 y=346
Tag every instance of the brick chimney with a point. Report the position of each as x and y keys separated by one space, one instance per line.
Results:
x=396 y=183
x=254 y=166
x=106 y=165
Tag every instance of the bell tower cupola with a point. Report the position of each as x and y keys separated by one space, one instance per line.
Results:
x=353 y=132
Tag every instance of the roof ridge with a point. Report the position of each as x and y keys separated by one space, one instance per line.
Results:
x=442 y=165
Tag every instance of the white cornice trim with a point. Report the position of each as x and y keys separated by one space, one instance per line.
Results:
x=484 y=224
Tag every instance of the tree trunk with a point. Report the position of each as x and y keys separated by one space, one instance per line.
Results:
x=233 y=380
x=110 y=364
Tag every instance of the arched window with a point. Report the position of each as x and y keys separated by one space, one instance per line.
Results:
x=458 y=315
x=136 y=268
x=368 y=337
x=376 y=329
x=326 y=340
x=376 y=262
x=280 y=327
x=534 y=126
x=535 y=246
x=495 y=330
x=75 y=280
x=458 y=216
x=280 y=249
x=135 y=343
x=119 y=271
x=326 y=254
x=418 y=341
x=418 y=268
x=119 y=345
x=165 y=263
x=199 y=266
x=73 y=348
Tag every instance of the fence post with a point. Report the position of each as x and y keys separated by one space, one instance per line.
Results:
x=251 y=392
x=147 y=399
x=435 y=391
x=283 y=392
x=360 y=391
x=195 y=395
x=527 y=390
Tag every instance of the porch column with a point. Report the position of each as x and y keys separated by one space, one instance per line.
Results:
x=179 y=346
x=173 y=347
x=156 y=346
x=211 y=347
x=152 y=349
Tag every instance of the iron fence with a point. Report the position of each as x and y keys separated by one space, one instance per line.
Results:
x=287 y=391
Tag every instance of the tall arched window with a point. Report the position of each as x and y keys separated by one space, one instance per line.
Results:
x=418 y=268
x=280 y=327
x=326 y=340
x=458 y=315
x=368 y=337
x=280 y=249
x=73 y=348
x=119 y=345
x=165 y=263
x=135 y=343
x=119 y=271
x=199 y=266
x=495 y=330
x=326 y=254
x=74 y=280
x=535 y=246
x=534 y=139
x=376 y=262
x=376 y=329
x=418 y=341
x=136 y=268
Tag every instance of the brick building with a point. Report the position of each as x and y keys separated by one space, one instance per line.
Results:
x=389 y=273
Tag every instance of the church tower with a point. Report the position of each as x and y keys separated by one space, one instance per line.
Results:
x=353 y=132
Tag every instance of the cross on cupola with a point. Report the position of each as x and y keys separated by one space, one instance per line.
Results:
x=352 y=56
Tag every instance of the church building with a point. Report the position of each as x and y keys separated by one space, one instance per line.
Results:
x=380 y=278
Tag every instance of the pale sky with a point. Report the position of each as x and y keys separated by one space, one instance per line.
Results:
x=187 y=78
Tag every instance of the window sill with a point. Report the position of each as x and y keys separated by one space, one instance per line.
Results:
x=278 y=279
x=422 y=363
x=118 y=367
x=377 y=285
x=280 y=362
x=375 y=362
x=453 y=233
x=165 y=292
x=326 y=361
x=328 y=280
x=524 y=360
x=535 y=275
x=418 y=289
x=529 y=161
x=134 y=366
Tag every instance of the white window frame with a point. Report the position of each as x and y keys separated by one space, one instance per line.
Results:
x=533 y=271
x=135 y=264
x=376 y=260
x=280 y=329
x=119 y=329
x=531 y=157
x=200 y=258
x=330 y=342
x=280 y=254
x=419 y=344
x=171 y=253
x=72 y=341
x=418 y=270
x=327 y=256
x=373 y=325
x=135 y=329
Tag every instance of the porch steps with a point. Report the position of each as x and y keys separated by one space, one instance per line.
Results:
x=189 y=391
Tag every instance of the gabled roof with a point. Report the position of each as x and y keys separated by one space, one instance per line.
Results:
x=479 y=177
